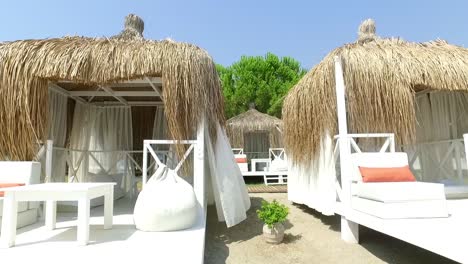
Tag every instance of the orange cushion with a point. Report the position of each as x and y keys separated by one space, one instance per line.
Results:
x=6 y=185
x=397 y=174
x=241 y=160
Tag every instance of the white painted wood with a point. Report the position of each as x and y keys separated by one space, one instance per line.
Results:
x=83 y=220
x=107 y=246
x=255 y=161
x=131 y=103
x=49 y=160
x=146 y=145
x=112 y=93
x=199 y=164
x=139 y=81
x=51 y=214
x=9 y=218
x=115 y=93
x=349 y=230
x=155 y=88
x=108 y=207
x=81 y=192
x=59 y=89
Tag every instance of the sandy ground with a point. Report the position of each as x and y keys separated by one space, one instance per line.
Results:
x=309 y=238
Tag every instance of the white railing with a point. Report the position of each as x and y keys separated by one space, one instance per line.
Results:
x=438 y=160
x=387 y=146
x=274 y=153
x=237 y=151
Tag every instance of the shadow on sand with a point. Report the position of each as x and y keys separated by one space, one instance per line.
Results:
x=218 y=236
x=386 y=248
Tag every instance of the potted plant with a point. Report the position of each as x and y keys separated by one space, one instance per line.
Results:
x=273 y=216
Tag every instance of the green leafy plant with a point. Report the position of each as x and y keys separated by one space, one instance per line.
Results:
x=272 y=213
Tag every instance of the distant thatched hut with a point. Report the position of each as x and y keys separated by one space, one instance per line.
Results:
x=255 y=132
x=415 y=90
x=83 y=92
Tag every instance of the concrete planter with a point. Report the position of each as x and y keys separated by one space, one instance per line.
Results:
x=273 y=235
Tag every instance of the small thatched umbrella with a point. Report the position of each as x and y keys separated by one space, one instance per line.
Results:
x=253 y=125
x=381 y=77
x=191 y=87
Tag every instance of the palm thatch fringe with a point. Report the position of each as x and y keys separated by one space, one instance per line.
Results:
x=191 y=86
x=381 y=77
x=254 y=121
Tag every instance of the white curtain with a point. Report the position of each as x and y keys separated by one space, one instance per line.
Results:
x=314 y=184
x=99 y=135
x=57 y=129
x=160 y=131
x=229 y=191
x=441 y=116
x=256 y=143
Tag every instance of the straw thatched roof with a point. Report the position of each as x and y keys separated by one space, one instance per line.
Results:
x=381 y=76
x=191 y=85
x=254 y=121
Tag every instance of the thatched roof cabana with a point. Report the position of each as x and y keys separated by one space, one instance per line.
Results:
x=190 y=84
x=253 y=121
x=381 y=76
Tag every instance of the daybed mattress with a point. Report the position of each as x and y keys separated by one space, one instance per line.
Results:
x=396 y=200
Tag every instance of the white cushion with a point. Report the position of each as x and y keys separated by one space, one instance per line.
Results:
x=401 y=210
x=389 y=192
x=20 y=172
x=377 y=160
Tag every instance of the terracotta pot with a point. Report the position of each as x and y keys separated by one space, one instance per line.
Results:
x=273 y=235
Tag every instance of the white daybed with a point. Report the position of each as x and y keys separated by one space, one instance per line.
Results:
x=394 y=199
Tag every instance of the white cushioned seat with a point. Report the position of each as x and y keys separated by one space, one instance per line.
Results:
x=399 y=191
x=456 y=192
x=393 y=200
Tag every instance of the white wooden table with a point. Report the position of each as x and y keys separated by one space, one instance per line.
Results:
x=255 y=161
x=51 y=193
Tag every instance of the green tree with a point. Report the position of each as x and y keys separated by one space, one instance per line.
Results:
x=263 y=80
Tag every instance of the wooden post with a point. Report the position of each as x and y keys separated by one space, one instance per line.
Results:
x=349 y=230
x=48 y=163
x=199 y=164
x=145 y=163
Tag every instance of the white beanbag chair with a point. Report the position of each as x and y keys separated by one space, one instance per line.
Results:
x=167 y=203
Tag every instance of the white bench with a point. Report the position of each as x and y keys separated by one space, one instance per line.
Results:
x=51 y=193
x=26 y=172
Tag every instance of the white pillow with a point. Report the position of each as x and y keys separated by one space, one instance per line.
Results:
x=278 y=164
x=166 y=203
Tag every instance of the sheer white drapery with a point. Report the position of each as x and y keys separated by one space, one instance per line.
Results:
x=441 y=117
x=314 y=184
x=226 y=182
x=256 y=144
x=99 y=137
x=57 y=132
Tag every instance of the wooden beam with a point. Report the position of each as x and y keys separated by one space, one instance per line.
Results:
x=155 y=88
x=112 y=93
x=131 y=103
x=57 y=88
x=155 y=80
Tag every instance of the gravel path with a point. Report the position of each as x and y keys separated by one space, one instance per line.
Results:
x=309 y=238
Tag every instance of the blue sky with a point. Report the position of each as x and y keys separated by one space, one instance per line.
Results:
x=304 y=30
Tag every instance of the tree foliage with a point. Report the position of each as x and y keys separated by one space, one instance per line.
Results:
x=262 y=80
